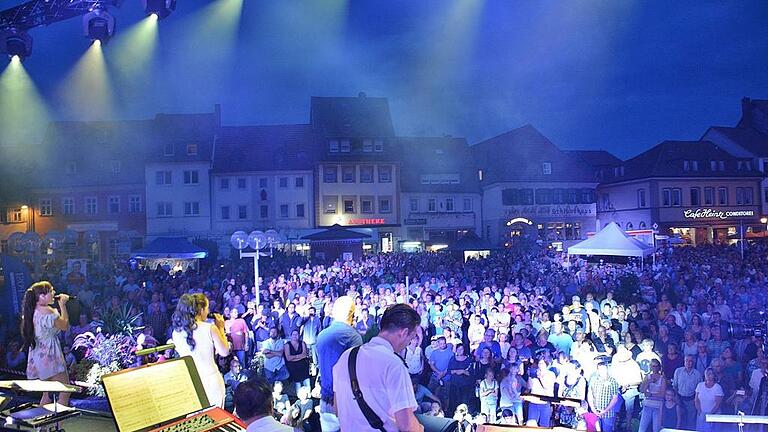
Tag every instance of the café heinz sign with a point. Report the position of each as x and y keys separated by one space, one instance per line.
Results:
x=708 y=213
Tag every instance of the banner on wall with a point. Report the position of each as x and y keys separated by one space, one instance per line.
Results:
x=16 y=280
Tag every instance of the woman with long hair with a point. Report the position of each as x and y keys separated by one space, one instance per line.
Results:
x=195 y=337
x=40 y=327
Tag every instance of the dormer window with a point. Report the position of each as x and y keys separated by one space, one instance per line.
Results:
x=333 y=146
x=378 y=145
x=546 y=168
x=695 y=165
x=618 y=171
x=345 y=146
x=168 y=149
x=191 y=149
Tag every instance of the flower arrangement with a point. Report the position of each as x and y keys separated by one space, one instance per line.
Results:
x=107 y=351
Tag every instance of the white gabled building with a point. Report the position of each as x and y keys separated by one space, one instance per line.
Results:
x=178 y=186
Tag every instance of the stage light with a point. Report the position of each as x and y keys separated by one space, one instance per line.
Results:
x=161 y=8
x=99 y=25
x=15 y=59
x=15 y=43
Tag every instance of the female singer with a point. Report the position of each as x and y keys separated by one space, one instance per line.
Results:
x=40 y=327
x=195 y=337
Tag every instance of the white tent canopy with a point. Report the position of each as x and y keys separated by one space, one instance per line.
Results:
x=612 y=241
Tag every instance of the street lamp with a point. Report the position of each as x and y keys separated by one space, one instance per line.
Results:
x=764 y=220
x=257 y=241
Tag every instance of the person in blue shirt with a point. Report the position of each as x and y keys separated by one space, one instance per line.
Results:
x=490 y=343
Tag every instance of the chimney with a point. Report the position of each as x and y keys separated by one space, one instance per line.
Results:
x=362 y=95
x=217 y=112
x=746 y=112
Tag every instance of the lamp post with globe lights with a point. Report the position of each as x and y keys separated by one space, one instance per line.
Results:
x=257 y=241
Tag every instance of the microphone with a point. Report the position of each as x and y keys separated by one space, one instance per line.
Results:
x=58 y=296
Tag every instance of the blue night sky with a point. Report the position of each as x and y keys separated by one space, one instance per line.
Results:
x=618 y=75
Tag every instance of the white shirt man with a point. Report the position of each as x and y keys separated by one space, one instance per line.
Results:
x=382 y=377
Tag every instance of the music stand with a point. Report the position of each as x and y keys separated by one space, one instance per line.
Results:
x=38 y=416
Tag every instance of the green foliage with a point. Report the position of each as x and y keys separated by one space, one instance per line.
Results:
x=122 y=321
x=629 y=289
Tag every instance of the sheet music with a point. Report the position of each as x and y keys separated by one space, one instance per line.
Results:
x=148 y=396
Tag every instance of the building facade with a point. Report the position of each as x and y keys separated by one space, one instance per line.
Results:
x=532 y=191
x=357 y=175
x=440 y=193
x=693 y=190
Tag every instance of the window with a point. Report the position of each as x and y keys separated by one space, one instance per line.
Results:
x=282 y=182
x=46 y=208
x=242 y=212
x=16 y=215
x=378 y=145
x=262 y=182
x=641 y=198
x=546 y=167
x=694 y=165
x=686 y=165
x=68 y=206
x=385 y=174
x=467 y=204
x=191 y=208
x=298 y=182
x=709 y=196
x=164 y=209
x=677 y=197
x=163 y=178
x=743 y=196
x=114 y=204
x=115 y=166
x=284 y=211
x=695 y=196
x=70 y=168
x=168 y=149
x=225 y=212
x=348 y=174
x=543 y=196
x=748 y=196
x=558 y=196
x=432 y=205
x=366 y=173
x=666 y=199
x=191 y=177
x=618 y=171
x=241 y=183
x=765 y=194
x=349 y=205
x=134 y=204
x=329 y=174
x=510 y=196
x=333 y=146
x=264 y=212
x=91 y=206
x=299 y=210
x=366 y=204
x=367 y=145
x=345 y=146
x=449 y=205
x=713 y=165
x=414 y=205
x=385 y=205
x=721 y=165
x=263 y=195
x=191 y=149
x=722 y=196
x=587 y=196
x=330 y=202
x=224 y=184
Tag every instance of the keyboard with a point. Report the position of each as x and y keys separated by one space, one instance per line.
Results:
x=214 y=419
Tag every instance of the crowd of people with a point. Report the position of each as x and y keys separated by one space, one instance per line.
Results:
x=521 y=337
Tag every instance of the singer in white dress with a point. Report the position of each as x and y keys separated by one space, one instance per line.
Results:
x=195 y=337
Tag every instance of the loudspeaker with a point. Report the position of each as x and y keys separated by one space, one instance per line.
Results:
x=437 y=424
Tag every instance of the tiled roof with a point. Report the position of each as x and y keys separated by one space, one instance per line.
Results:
x=519 y=155
x=750 y=139
x=265 y=148
x=754 y=114
x=667 y=159
x=437 y=156
x=351 y=117
x=596 y=158
x=183 y=129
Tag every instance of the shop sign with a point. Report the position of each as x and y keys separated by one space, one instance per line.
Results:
x=375 y=221
x=421 y=221
x=550 y=210
x=708 y=213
